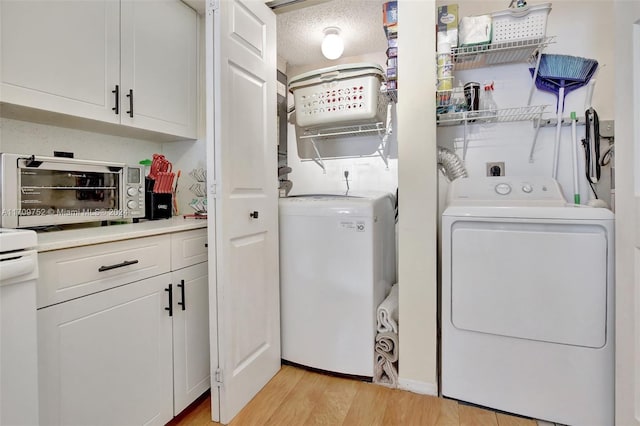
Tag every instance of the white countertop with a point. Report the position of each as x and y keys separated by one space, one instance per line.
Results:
x=56 y=240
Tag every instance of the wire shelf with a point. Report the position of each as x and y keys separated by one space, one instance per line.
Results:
x=470 y=57
x=533 y=112
x=342 y=131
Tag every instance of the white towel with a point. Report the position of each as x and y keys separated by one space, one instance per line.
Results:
x=387 y=345
x=387 y=314
x=385 y=372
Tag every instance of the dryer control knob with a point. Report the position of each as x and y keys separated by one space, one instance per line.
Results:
x=526 y=188
x=503 y=188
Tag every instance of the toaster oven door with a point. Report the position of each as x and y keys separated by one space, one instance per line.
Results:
x=50 y=195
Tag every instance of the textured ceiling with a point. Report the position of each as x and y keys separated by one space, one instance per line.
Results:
x=300 y=31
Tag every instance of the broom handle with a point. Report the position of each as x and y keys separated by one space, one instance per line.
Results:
x=574 y=158
x=556 y=148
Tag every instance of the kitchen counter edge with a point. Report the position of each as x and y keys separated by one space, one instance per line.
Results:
x=58 y=240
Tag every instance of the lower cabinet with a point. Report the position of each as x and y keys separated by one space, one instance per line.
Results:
x=191 y=373
x=106 y=358
x=135 y=354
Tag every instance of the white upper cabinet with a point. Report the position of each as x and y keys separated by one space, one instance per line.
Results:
x=158 y=58
x=61 y=56
x=131 y=62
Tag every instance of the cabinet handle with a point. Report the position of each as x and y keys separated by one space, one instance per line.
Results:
x=170 y=308
x=253 y=215
x=117 y=93
x=117 y=265
x=130 y=96
x=183 y=303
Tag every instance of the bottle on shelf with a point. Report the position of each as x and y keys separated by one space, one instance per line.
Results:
x=445 y=74
x=458 y=100
x=488 y=105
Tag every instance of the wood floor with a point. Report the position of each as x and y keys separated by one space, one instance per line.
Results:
x=299 y=397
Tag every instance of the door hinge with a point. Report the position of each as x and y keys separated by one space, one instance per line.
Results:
x=217 y=377
x=212 y=6
x=213 y=188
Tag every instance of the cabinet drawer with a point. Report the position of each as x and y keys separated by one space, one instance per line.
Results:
x=71 y=273
x=188 y=248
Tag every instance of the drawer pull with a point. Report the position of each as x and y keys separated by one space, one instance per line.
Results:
x=118 y=265
x=170 y=291
x=181 y=286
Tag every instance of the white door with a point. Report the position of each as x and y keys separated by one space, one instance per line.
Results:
x=159 y=61
x=627 y=204
x=242 y=170
x=61 y=56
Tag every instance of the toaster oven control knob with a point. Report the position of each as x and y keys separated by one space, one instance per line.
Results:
x=132 y=204
x=132 y=191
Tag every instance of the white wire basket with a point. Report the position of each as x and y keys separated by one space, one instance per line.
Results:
x=339 y=95
x=529 y=22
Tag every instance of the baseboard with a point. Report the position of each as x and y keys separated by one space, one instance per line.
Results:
x=416 y=386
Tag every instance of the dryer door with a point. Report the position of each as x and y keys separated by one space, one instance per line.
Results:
x=537 y=281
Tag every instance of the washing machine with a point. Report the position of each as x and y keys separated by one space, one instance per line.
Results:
x=337 y=263
x=527 y=301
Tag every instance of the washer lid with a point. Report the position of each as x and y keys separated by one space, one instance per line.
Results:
x=358 y=204
x=565 y=212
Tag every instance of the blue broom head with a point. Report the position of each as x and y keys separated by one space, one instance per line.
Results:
x=566 y=67
x=553 y=86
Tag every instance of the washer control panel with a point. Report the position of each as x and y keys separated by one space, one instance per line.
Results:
x=529 y=190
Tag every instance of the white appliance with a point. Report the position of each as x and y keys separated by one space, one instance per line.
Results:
x=18 y=328
x=527 y=301
x=337 y=264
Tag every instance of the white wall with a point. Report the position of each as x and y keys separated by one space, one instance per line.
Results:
x=369 y=173
x=627 y=113
x=581 y=28
x=418 y=197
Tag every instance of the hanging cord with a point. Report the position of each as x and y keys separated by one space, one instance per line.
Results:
x=591 y=145
x=608 y=154
x=395 y=207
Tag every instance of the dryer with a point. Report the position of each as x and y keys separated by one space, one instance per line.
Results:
x=527 y=301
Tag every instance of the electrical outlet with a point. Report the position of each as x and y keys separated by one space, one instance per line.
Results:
x=607 y=128
x=495 y=168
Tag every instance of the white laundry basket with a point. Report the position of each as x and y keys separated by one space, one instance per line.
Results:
x=523 y=23
x=340 y=95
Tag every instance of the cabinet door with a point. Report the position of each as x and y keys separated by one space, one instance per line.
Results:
x=190 y=335
x=61 y=56
x=158 y=53
x=105 y=359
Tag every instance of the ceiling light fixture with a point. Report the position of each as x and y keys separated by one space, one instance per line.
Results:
x=332 y=44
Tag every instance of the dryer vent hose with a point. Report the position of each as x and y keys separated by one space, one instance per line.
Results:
x=450 y=164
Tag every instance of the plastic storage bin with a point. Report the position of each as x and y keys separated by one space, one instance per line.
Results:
x=339 y=96
x=522 y=23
